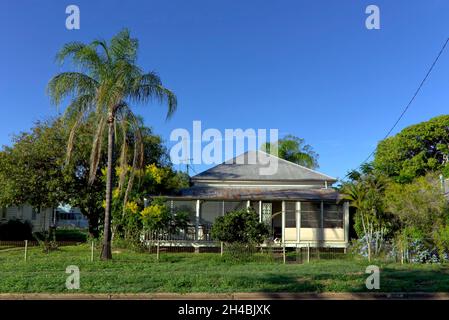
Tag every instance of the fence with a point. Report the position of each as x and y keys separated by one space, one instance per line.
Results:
x=17 y=244
x=243 y=252
x=271 y=252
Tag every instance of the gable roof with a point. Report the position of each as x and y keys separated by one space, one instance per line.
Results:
x=239 y=169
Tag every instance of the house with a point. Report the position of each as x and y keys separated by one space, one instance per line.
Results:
x=298 y=204
x=43 y=219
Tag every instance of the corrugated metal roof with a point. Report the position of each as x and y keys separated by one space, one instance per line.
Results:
x=213 y=193
x=242 y=169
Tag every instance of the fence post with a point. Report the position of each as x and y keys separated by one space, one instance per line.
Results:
x=283 y=252
x=26 y=249
x=221 y=248
x=308 y=252
x=157 y=251
x=402 y=254
x=92 y=252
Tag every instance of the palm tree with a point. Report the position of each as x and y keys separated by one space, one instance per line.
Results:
x=365 y=195
x=106 y=81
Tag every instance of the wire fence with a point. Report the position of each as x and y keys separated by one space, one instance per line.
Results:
x=247 y=252
x=157 y=249
x=31 y=243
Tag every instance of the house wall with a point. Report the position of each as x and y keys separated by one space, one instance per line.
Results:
x=40 y=221
x=317 y=216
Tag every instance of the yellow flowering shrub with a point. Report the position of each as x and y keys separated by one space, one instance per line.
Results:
x=155 y=216
x=132 y=207
x=158 y=174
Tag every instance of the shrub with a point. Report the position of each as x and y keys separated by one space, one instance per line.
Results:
x=71 y=235
x=15 y=230
x=240 y=226
x=441 y=239
x=156 y=216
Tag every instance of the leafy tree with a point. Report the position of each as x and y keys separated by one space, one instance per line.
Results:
x=416 y=150
x=34 y=171
x=293 y=149
x=420 y=204
x=108 y=81
x=31 y=170
x=241 y=226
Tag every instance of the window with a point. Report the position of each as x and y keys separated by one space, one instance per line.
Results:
x=267 y=211
x=255 y=206
x=3 y=212
x=290 y=214
x=211 y=210
x=186 y=206
x=233 y=206
x=333 y=215
x=34 y=212
x=310 y=214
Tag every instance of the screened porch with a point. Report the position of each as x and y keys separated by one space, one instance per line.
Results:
x=296 y=223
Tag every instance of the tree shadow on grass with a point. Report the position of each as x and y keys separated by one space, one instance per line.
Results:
x=414 y=280
x=391 y=280
x=277 y=283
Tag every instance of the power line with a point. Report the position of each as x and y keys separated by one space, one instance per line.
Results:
x=411 y=100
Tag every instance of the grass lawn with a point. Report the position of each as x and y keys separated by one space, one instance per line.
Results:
x=131 y=272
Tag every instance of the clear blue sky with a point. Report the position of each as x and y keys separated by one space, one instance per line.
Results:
x=308 y=68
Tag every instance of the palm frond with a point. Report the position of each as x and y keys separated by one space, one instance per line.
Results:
x=123 y=47
x=95 y=154
x=149 y=87
x=70 y=84
x=83 y=56
x=123 y=161
x=70 y=141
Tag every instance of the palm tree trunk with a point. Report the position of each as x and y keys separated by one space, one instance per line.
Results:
x=106 y=252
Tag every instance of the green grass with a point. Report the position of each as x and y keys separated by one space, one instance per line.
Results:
x=131 y=272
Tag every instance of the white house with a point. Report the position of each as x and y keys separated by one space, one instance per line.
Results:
x=63 y=216
x=299 y=204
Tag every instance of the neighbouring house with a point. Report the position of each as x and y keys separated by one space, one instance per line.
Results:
x=43 y=219
x=299 y=204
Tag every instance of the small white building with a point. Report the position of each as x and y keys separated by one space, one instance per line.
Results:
x=42 y=220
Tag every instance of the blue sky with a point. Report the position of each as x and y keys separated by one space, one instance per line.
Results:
x=307 y=68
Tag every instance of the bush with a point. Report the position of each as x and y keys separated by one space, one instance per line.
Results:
x=71 y=235
x=241 y=226
x=441 y=239
x=15 y=230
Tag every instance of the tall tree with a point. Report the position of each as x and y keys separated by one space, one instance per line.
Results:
x=366 y=195
x=415 y=151
x=293 y=149
x=106 y=82
x=30 y=169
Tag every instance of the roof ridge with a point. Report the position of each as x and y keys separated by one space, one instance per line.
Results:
x=314 y=171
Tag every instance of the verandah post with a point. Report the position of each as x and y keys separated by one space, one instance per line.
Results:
x=197 y=219
x=283 y=252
